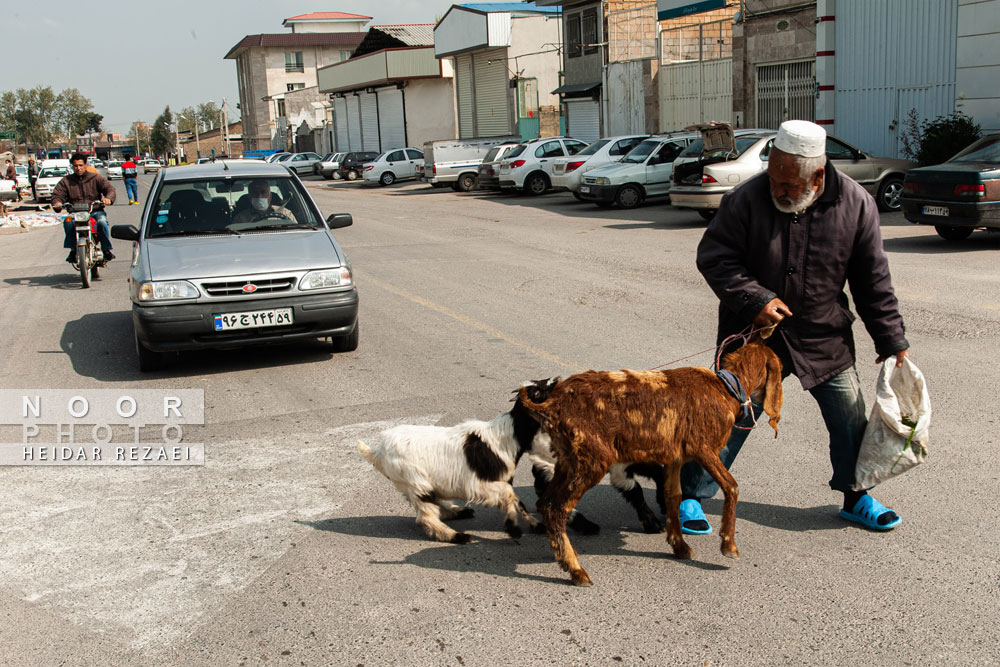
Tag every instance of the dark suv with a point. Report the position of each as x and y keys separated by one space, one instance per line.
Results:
x=351 y=165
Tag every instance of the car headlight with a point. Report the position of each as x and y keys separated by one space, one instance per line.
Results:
x=167 y=290
x=326 y=278
x=602 y=181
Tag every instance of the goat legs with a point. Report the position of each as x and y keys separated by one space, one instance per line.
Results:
x=671 y=485
x=450 y=510
x=429 y=518
x=622 y=479
x=564 y=492
x=731 y=491
x=542 y=472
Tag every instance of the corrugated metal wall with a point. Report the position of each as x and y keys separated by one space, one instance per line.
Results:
x=626 y=98
x=695 y=93
x=340 y=123
x=892 y=57
x=493 y=114
x=463 y=91
x=499 y=28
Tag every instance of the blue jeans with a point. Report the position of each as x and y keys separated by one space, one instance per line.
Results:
x=132 y=189
x=843 y=409
x=103 y=232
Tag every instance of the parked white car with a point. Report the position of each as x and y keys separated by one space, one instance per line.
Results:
x=529 y=166
x=393 y=166
x=114 y=169
x=568 y=172
x=455 y=162
x=23 y=182
x=48 y=178
x=643 y=173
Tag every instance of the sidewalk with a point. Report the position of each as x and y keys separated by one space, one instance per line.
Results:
x=28 y=216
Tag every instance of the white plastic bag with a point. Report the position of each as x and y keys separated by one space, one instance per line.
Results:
x=898 y=427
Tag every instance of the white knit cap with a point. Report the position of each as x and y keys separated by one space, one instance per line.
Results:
x=800 y=137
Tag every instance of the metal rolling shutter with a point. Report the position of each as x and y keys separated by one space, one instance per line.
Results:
x=492 y=93
x=390 y=119
x=340 y=123
x=369 y=122
x=463 y=87
x=353 y=124
x=583 y=120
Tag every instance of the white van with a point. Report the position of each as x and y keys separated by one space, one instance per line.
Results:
x=643 y=173
x=455 y=162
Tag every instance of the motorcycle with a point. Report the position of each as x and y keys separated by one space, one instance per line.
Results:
x=89 y=257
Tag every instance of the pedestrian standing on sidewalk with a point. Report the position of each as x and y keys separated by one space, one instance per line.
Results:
x=781 y=249
x=33 y=176
x=129 y=174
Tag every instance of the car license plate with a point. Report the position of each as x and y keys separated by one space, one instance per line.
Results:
x=935 y=210
x=256 y=318
x=585 y=189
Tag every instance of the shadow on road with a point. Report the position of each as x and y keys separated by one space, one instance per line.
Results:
x=934 y=244
x=101 y=346
x=68 y=280
x=797 y=519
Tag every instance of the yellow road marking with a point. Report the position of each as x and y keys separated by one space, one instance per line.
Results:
x=475 y=324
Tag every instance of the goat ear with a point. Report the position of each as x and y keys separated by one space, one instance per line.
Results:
x=772 y=390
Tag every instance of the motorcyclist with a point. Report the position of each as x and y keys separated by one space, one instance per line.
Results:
x=81 y=188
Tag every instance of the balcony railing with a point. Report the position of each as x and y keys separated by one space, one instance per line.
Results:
x=294 y=67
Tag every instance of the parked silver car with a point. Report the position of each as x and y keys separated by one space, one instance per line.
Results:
x=235 y=253
x=302 y=163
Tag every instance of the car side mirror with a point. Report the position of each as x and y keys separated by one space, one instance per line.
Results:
x=339 y=220
x=125 y=232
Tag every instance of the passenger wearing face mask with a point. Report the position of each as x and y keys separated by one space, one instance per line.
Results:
x=263 y=205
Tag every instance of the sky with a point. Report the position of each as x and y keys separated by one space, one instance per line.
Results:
x=133 y=58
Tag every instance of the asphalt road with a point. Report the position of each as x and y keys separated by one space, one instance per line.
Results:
x=288 y=548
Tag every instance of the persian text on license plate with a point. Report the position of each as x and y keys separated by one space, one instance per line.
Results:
x=935 y=210
x=258 y=318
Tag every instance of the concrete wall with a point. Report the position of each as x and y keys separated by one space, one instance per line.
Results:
x=531 y=34
x=585 y=68
x=327 y=26
x=978 y=65
x=757 y=42
x=430 y=111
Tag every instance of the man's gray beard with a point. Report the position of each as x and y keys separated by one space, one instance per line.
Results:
x=798 y=205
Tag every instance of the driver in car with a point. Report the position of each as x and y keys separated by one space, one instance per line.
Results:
x=263 y=205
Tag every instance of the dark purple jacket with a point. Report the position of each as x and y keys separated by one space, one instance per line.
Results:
x=752 y=253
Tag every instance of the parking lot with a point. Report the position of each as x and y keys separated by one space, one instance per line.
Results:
x=287 y=547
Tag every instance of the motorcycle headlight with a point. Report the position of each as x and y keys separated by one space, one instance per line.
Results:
x=167 y=290
x=325 y=278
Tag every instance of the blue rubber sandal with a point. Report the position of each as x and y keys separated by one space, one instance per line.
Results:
x=867 y=511
x=691 y=511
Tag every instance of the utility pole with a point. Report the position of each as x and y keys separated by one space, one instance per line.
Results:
x=177 y=141
x=225 y=124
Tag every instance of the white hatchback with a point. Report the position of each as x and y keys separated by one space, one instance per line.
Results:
x=393 y=166
x=567 y=172
x=528 y=166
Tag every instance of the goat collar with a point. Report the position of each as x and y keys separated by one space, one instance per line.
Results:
x=736 y=390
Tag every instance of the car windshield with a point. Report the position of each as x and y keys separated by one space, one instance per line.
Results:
x=516 y=150
x=641 y=152
x=594 y=147
x=986 y=149
x=21 y=169
x=52 y=172
x=224 y=206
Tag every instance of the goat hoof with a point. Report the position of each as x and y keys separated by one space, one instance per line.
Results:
x=465 y=513
x=514 y=531
x=654 y=526
x=683 y=552
x=731 y=552
x=580 y=578
x=461 y=538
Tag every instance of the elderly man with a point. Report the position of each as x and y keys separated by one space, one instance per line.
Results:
x=780 y=251
x=262 y=205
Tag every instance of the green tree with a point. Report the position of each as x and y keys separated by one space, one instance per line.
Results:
x=8 y=108
x=207 y=114
x=161 y=138
x=74 y=112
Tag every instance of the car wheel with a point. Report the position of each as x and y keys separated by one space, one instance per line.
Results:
x=348 y=343
x=889 y=193
x=707 y=213
x=351 y=175
x=536 y=184
x=388 y=178
x=466 y=183
x=949 y=233
x=628 y=196
x=148 y=360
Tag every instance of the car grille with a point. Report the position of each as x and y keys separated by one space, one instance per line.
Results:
x=235 y=287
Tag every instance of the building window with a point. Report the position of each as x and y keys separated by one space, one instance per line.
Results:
x=573 y=36
x=281 y=107
x=289 y=87
x=293 y=61
x=345 y=55
x=589 y=30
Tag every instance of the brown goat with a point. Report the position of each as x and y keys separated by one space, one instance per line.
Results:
x=599 y=418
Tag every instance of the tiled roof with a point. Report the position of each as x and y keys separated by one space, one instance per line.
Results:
x=326 y=16
x=414 y=34
x=351 y=39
